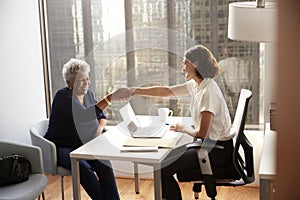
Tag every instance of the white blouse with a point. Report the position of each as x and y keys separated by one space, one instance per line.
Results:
x=208 y=97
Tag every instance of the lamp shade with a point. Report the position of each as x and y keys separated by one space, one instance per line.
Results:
x=246 y=22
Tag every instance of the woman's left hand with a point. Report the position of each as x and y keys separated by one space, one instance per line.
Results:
x=101 y=125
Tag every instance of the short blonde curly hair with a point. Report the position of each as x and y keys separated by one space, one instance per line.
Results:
x=73 y=66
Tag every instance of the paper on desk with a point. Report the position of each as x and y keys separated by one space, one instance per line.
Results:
x=140 y=142
x=138 y=149
x=173 y=135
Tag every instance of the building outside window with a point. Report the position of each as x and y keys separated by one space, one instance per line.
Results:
x=141 y=43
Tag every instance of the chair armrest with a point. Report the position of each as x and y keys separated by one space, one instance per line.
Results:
x=206 y=145
x=48 y=151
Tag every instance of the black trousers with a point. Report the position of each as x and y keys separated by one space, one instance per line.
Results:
x=183 y=160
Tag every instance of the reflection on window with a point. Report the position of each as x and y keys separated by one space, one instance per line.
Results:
x=141 y=43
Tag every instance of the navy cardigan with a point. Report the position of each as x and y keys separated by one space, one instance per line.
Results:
x=72 y=124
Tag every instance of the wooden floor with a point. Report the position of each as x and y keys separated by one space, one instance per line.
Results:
x=126 y=190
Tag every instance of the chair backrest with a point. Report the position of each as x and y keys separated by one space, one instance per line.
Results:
x=48 y=148
x=32 y=153
x=241 y=111
x=243 y=164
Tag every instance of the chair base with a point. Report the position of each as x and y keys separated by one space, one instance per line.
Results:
x=62 y=188
x=43 y=196
x=197 y=188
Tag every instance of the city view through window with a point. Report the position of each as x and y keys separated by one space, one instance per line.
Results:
x=132 y=43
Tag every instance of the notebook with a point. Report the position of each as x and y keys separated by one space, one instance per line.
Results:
x=134 y=127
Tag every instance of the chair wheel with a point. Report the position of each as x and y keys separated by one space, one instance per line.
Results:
x=197 y=188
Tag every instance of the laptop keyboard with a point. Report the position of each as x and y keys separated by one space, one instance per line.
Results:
x=145 y=131
x=148 y=131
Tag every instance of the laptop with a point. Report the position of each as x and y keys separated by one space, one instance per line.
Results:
x=134 y=127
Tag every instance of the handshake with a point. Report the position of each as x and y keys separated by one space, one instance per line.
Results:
x=122 y=94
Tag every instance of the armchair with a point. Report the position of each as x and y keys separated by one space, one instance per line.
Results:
x=37 y=182
x=240 y=172
x=37 y=133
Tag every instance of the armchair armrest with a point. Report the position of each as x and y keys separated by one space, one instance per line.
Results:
x=48 y=151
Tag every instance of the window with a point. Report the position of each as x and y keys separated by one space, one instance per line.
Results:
x=141 y=42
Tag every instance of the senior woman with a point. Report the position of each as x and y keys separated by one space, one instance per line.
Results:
x=77 y=117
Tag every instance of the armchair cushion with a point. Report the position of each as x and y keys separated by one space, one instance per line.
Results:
x=25 y=190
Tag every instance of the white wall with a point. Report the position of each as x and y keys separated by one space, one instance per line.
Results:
x=269 y=78
x=22 y=88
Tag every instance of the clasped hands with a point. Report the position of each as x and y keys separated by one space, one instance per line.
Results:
x=122 y=94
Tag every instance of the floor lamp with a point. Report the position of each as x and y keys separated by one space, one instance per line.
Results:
x=256 y=22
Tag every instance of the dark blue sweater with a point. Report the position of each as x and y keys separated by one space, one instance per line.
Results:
x=71 y=123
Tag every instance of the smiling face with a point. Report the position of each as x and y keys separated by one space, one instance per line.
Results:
x=81 y=83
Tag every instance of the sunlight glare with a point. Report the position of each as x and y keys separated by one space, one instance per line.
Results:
x=113 y=18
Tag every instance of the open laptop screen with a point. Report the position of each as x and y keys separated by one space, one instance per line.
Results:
x=128 y=115
x=132 y=127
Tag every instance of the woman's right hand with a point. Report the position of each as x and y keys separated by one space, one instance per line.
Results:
x=176 y=127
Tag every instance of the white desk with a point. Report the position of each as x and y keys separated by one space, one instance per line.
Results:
x=107 y=147
x=267 y=169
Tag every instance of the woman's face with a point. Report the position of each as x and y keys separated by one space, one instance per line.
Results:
x=81 y=84
x=189 y=69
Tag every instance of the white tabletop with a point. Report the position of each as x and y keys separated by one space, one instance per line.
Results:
x=108 y=145
x=267 y=169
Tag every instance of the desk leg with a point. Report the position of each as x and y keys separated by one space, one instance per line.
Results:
x=263 y=189
x=157 y=182
x=75 y=178
x=136 y=178
x=266 y=189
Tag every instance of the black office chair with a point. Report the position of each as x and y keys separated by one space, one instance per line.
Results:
x=241 y=170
